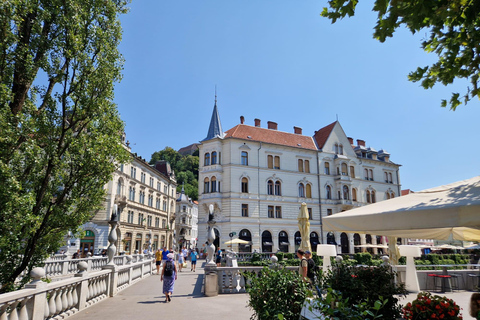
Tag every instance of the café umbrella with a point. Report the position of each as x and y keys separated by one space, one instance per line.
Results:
x=304 y=227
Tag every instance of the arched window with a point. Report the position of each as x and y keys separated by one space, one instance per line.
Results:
x=301 y=190
x=283 y=241
x=327 y=167
x=329 y=192
x=214 y=157
x=244 y=158
x=244 y=185
x=270 y=187
x=270 y=161
x=366 y=174
x=267 y=241
x=371 y=174
x=214 y=184
x=300 y=165
x=344 y=169
x=369 y=200
x=207 y=159
x=307 y=166
x=119 y=187
x=308 y=190
x=278 y=188
x=247 y=236
x=206 y=185
x=352 y=171
x=373 y=196
x=354 y=194
x=346 y=194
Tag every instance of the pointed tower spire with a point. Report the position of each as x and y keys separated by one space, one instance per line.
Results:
x=215 y=129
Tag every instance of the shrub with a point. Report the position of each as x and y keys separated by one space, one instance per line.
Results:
x=428 y=306
x=280 y=256
x=289 y=255
x=364 y=258
x=255 y=257
x=366 y=285
x=276 y=292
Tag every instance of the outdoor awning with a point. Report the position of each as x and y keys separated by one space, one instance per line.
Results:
x=284 y=243
x=268 y=243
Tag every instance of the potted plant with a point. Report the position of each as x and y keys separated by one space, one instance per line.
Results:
x=428 y=306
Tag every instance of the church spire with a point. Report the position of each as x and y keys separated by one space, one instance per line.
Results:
x=215 y=129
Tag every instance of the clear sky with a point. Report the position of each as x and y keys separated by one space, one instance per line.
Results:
x=279 y=61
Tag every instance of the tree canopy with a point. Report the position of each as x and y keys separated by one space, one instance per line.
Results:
x=453 y=35
x=186 y=169
x=60 y=130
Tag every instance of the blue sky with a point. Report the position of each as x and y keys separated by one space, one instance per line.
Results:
x=280 y=61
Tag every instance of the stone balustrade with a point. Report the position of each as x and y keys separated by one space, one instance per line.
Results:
x=60 y=299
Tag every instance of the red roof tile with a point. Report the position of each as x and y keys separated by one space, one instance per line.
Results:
x=322 y=135
x=243 y=131
x=406 y=191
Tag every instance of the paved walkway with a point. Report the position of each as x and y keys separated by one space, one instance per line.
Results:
x=145 y=300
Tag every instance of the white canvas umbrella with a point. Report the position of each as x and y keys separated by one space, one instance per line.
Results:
x=237 y=241
x=435 y=213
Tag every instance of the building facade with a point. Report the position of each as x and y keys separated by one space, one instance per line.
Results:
x=186 y=229
x=145 y=196
x=256 y=179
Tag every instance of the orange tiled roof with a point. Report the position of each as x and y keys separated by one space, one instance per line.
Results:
x=406 y=191
x=322 y=135
x=242 y=131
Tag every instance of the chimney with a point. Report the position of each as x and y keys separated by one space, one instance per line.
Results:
x=361 y=142
x=242 y=119
x=272 y=125
x=297 y=130
x=350 y=140
x=257 y=122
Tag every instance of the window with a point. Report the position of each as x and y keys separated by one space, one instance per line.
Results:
x=159 y=186
x=142 y=177
x=340 y=149
x=270 y=162
x=150 y=200
x=386 y=177
x=244 y=210
x=278 y=212
x=301 y=190
x=270 y=211
x=300 y=165
x=390 y=180
x=327 y=167
x=329 y=192
x=121 y=167
x=244 y=158
x=157 y=203
x=307 y=166
x=369 y=200
x=149 y=221
x=151 y=182
x=371 y=174
x=354 y=194
x=390 y=194
x=352 y=171
x=140 y=219
x=244 y=185
x=278 y=188
x=276 y=162
x=206 y=185
x=157 y=222
x=141 y=197
x=329 y=212
x=164 y=224
x=130 y=217
x=366 y=174
x=131 y=194
x=308 y=190
x=207 y=159
x=344 y=169
x=270 y=187
x=214 y=184
x=119 y=187
x=310 y=217
x=164 y=205
x=336 y=148
x=165 y=189
x=214 y=157
x=373 y=197
x=346 y=194
x=133 y=172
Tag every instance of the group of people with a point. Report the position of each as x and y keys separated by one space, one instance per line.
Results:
x=165 y=259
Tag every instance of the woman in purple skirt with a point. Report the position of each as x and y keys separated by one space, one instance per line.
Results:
x=169 y=275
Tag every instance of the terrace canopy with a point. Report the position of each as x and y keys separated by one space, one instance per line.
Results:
x=436 y=213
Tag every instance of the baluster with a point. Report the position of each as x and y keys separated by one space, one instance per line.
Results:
x=46 y=312
x=242 y=283
x=3 y=312
x=75 y=294
x=69 y=297
x=13 y=310
x=58 y=301
x=23 y=315
x=65 y=305
x=51 y=303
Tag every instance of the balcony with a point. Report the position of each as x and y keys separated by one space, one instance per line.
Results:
x=121 y=200
x=342 y=177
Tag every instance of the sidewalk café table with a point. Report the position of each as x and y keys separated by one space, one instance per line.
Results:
x=444 y=277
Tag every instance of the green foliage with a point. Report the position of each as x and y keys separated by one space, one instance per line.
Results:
x=364 y=258
x=289 y=255
x=359 y=285
x=280 y=255
x=335 y=307
x=60 y=130
x=185 y=167
x=276 y=293
x=452 y=33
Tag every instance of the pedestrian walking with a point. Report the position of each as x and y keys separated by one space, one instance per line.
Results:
x=158 y=260
x=165 y=252
x=310 y=267
x=181 y=260
x=302 y=270
x=193 y=260
x=169 y=275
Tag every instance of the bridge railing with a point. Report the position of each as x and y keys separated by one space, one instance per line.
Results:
x=60 y=299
